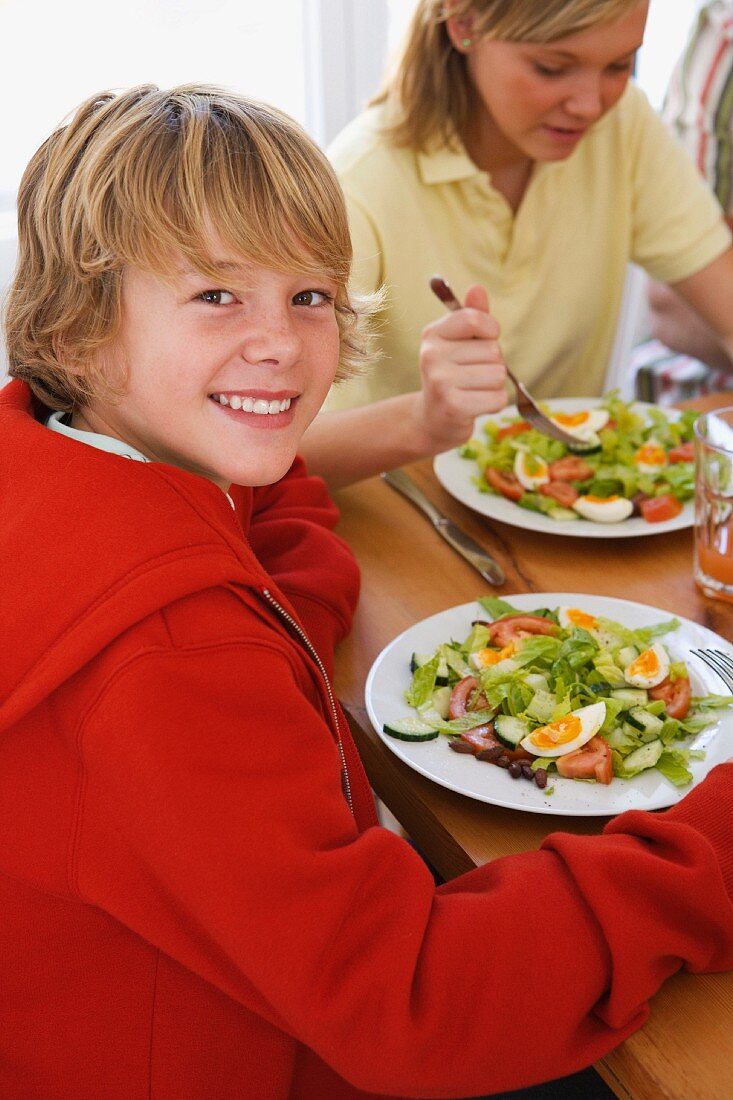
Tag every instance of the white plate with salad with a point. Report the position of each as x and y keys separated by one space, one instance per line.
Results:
x=577 y=688
x=632 y=456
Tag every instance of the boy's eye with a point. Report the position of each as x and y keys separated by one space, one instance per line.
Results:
x=312 y=298
x=217 y=297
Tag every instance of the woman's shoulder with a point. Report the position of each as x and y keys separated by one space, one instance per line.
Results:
x=632 y=115
x=365 y=143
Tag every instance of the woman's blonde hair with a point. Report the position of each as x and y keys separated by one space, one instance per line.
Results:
x=134 y=176
x=428 y=90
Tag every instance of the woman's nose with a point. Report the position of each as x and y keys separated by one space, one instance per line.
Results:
x=586 y=100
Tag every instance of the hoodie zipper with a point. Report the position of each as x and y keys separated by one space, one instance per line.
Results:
x=297 y=629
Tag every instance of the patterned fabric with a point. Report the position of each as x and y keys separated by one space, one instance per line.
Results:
x=698 y=109
x=699 y=102
x=665 y=377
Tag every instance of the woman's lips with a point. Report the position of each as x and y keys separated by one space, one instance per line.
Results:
x=565 y=134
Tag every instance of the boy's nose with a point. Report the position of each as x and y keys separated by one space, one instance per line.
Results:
x=270 y=338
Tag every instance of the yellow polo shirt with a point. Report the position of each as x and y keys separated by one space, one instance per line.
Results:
x=555 y=270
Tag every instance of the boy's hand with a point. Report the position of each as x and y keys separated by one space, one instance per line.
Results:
x=463 y=373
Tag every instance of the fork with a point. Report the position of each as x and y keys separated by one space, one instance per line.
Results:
x=526 y=404
x=719 y=662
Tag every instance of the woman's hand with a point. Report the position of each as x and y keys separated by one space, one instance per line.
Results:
x=463 y=373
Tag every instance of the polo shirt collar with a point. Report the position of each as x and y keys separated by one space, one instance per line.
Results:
x=446 y=165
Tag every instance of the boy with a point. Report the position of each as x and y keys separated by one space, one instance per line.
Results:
x=196 y=899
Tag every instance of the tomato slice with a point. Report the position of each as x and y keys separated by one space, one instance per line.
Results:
x=676 y=695
x=570 y=468
x=466 y=696
x=507 y=630
x=561 y=491
x=481 y=737
x=658 y=509
x=593 y=761
x=513 y=429
x=507 y=484
x=683 y=452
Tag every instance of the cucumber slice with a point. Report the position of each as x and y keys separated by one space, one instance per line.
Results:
x=410 y=729
x=563 y=514
x=439 y=703
x=510 y=730
x=644 y=757
x=420 y=659
x=627 y=654
x=642 y=720
x=632 y=697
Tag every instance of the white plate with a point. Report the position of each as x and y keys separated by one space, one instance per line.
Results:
x=389 y=677
x=456 y=474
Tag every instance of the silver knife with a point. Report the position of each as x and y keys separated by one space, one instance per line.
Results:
x=467 y=547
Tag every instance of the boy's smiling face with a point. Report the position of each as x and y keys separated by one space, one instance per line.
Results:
x=221 y=379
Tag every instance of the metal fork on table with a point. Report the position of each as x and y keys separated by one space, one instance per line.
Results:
x=526 y=404
x=720 y=662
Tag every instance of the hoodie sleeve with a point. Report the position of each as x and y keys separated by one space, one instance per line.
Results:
x=221 y=835
x=291 y=533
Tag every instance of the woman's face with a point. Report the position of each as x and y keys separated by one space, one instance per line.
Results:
x=538 y=101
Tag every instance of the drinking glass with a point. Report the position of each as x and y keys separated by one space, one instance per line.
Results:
x=713 y=562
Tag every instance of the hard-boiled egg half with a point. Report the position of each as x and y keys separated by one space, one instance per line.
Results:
x=651 y=458
x=584 y=425
x=649 y=668
x=486 y=658
x=530 y=470
x=566 y=734
x=612 y=509
x=569 y=617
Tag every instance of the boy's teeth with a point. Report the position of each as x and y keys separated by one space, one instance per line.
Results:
x=258 y=406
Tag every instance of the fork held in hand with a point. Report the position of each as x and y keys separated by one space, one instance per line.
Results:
x=526 y=404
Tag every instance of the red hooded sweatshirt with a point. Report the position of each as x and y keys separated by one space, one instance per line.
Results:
x=196 y=902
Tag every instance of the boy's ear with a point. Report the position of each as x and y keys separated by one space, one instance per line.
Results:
x=460 y=29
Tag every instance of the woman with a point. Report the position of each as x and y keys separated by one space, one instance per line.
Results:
x=509 y=150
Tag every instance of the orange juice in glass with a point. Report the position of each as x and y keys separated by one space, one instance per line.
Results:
x=713 y=564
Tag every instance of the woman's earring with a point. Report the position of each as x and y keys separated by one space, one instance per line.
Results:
x=466 y=42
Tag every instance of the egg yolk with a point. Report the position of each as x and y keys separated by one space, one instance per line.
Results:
x=599 y=500
x=489 y=657
x=571 y=420
x=651 y=454
x=582 y=618
x=557 y=733
x=646 y=664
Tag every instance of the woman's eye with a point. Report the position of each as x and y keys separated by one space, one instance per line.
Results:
x=544 y=70
x=217 y=297
x=312 y=298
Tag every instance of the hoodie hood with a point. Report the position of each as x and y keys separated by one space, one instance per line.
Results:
x=92 y=543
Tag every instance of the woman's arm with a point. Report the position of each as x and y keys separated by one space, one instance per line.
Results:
x=463 y=375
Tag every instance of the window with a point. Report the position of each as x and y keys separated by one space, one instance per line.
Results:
x=55 y=55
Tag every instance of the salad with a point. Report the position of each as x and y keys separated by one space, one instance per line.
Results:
x=559 y=691
x=627 y=462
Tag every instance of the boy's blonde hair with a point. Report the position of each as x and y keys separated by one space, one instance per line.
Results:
x=133 y=177
x=428 y=90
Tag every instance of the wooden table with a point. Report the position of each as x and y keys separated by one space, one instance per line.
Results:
x=685 y=1051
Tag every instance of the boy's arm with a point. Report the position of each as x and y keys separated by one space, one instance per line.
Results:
x=290 y=531
x=339 y=938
